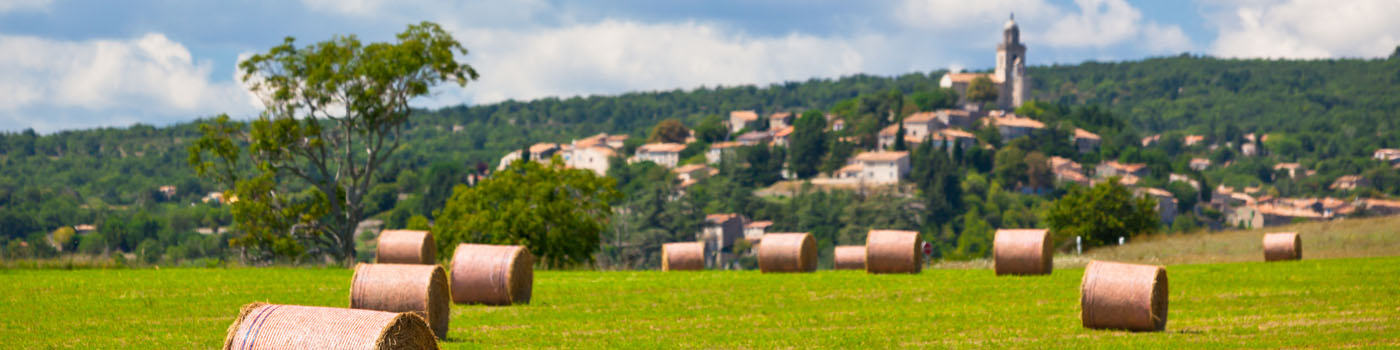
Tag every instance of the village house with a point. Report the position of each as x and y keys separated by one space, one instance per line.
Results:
x=754 y=230
x=1114 y=168
x=694 y=172
x=1389 y=155
x=719 y=150
x=663 y=154
x=1148 y=141
x=754 y=138
x=1249 y=150
x=1293 y=169
x=1174 y=177
x=1011 y=126
x=1013 y=86
x=837 y=124
x=781 y=137
x=1192 y=140
x=543 y=151
x=1199 y=164
x=1265 y=215
x=886 y=137
x=719 y=233
x=950 y=137
x=1380 y=207
x=738 y=120
x=1349 y=182
x=616 y=141
x=1085 y=141
x=1166 y=202
x=593 y=158
x=959 y=118
x=922 y=125
x=882 y=167
x=167 y=191
x=1066 y=170
x=778 y=121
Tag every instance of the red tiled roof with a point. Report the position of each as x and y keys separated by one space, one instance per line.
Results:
x=744 y=115
x=661 y=147
x=881 y=156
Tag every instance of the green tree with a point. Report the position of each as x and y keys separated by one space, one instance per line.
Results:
x=669 y=130
x=558 y=213
x=63 y=237
x=335 y=112
x=711 y=129
x=809 y=142
x=1102 y=213
x=981 y=90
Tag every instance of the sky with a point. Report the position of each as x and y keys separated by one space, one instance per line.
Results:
x=96 y=63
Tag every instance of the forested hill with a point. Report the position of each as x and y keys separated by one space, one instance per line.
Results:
x=1334 y=107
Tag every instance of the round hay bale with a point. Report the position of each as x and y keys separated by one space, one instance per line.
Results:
x=405 y=247
x=683 y=256
x=890 y=251
x=1283 y=246
x=262 y=326
x=1023 y=252
x=1123 y=296
x=787 y=252
x=849 y=257
x=492 y=274
x=420 y=289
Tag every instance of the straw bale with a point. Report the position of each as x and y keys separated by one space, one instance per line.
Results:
x=1123 y=296
x=1023 y=252
x=1283 y=246
x=683 y=256
x=405 y=247
x=492 y=274
x=421 y=289
x=849 y=257
x=262 y=326
x=787 y=252
x=889 y=251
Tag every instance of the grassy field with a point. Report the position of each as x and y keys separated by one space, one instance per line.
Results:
x=1312 y=303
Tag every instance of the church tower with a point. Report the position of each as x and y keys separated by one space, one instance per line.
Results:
x=1011 y=70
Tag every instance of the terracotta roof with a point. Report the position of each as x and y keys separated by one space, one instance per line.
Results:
x=890 y=130
x=1294 y=166
x=1289 y=212
x=1200 y=161
x=661 y=147
x=617 y=137
x=754 y=135
x=1056 y=162
x=744 y=115
x=921 y=117
x=881 y=156
x=784 y=132
x=960 y=112
x=1131 y=168
x=1372 y=202
x=1151 y=139
x=719 y=217
x=1193 y=139
x=781 y=115
x=855 y=167
x=543 y=147
x=759 y=224
x=1157 y=192
x=600 y=149
x=1071 y=175
x=688 y=168
x=957 y=133
x=725 y=144
x=1085 y=134
x=1014 y=121
x=967 y=77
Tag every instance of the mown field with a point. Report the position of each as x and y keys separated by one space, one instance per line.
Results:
x=1352 y=302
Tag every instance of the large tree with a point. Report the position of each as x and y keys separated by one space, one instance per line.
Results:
x=808 y=144
x=334 y=112
x=1102 y=213
x=981 y=90
x=669 y=130
x=559 y=213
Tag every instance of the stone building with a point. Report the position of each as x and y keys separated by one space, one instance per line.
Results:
x=1013 y=86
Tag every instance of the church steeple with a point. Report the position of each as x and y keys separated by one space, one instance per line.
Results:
x=1011 y=60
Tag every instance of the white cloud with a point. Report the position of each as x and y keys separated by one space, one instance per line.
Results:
x=149 y=79
x=24 y=5
x=1307 y=28
x=619 y=56
x=1097 y=24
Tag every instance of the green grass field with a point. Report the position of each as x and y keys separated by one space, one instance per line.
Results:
x=1312 y=303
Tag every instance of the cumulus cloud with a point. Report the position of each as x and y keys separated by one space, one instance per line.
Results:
x=49 y=84
x=617 y=56
x=24 y=5
x=1306 y=28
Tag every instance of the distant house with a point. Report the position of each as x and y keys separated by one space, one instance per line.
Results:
x=837 y=124
x=1349 y=182
x=922 y=125
x=1264 y=215
x=1249 y=150
x=616 y=141
x=543 y=151
x=1012 y=127
x=168 y=192
x=694 y=172
x=663 y=154
x=886 y=137
x=1066 y=170
x=952 y=136
x=778 y=121
x=883 y=167
x=1199 y=164
x=1389 y=155
x=754 y=230
x=719 y=233
x=1381 y=207
x=1293 y=169
x=719 y=150
x=851 y=172
x=738 y=120
x=84 y=229
x=1166 y=203
x=1085 y=141
x=1183 y=178
x=1114 y=168
x=1192 y=140
x=780 y=138
x=216 y=197
x=955 y=118
x=593 y=158
x=754 y=138
x=1148 y=141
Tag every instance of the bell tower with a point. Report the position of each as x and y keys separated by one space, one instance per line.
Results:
x=1010 y=72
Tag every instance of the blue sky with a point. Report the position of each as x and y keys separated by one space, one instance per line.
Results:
x=82 y=64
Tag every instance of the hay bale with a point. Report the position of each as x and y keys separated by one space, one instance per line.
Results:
x=787 y=252
x=889 y=251
x=405 y=247
x=262 y=326
x=849 y=257
x=492 y=274
x=421 y=289
x=1023 y=252
x=683 y=256
x=1123 y=296
x=1283 y=246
